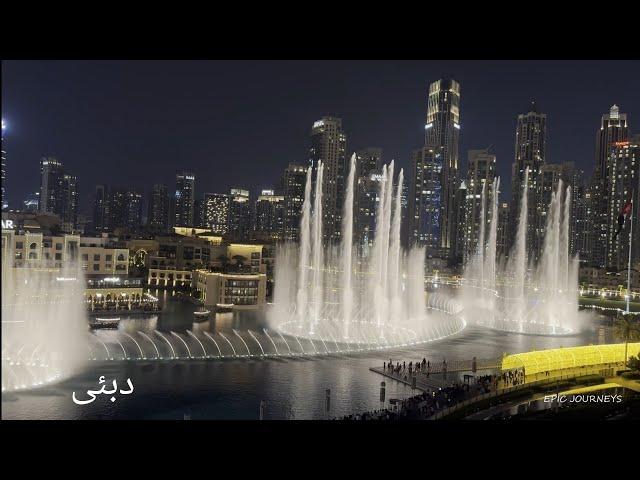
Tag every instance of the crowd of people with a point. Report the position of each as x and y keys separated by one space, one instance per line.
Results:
x=427 y=404
x=513 y=378
x=411 y=368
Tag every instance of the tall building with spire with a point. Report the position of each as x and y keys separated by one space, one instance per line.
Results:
x=530 y=151
x=329 y=145
x=442 y=134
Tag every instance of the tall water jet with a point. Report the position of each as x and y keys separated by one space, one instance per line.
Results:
x=394 y=256
x=518 y=258
x=489 y=266
x=361 y=300
x=317 y=251
x=546 y=301
x=44 y=325
x=347 y=250
x=303 y=264
x=480 y=247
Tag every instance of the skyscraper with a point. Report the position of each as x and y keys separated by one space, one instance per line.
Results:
x=329 y=144
x=623 y=174
x=368 y=160
x=367 y=196
x=613 y=129
x=216 y=210
x=240 y=215
x=461 y=214
x=530 y=148
x=69 y=203
x=101 y=209
x=293 y=183
x=5 y=203
x=480 y=174
x=158 y=216
x=185 y=199
x=31 y=202
x=125 y=209
x=426 y=200
x=442 y=132
x=502 y=230
x=270 y=214
x=51 y=182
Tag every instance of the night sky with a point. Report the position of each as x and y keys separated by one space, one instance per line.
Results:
x=239 y=123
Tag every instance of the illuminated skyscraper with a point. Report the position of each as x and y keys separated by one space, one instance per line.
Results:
x=5 y=203
x=216 y=209
x=530 y=149
x=69 y=203
x=125 y=209
x=158 y=216
x=442 y=134
x=101 y=209
x=239 y=215
x=368 y=160
x=293 y=183
x=614 y=129
x=502 y=230
x=51 y=180
x=426 y=200
x=623 y=172
x=480 y=174
x=328 y=144
x=270 y=215
x=185 y=199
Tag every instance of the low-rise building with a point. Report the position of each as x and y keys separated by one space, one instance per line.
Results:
x=237 y=291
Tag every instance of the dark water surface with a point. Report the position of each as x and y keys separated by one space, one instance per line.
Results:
x=293 y=388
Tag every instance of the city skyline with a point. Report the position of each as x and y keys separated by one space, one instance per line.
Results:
x=255 y=157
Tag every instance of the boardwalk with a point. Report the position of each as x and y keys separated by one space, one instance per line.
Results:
x=423 y=382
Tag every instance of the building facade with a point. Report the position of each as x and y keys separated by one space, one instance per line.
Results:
x=270 y=216
x=158 y=215
x=623 y=174
x=481 y=172
x=328 y=145
x=236 y=291
x=240 y=215
x=294 y=180
x=426 y=200
x=185 y=199
x=442 y=133
x=530 y=151
x=216 y=211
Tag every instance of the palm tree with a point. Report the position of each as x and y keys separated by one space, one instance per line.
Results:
x=626 y=329
x=224 y=260
x=240 y=260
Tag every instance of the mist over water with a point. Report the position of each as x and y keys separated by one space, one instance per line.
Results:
x=335 y=294
x=44 y=326
x=518 y=295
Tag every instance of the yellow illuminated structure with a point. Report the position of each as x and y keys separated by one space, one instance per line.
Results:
x=572 y=357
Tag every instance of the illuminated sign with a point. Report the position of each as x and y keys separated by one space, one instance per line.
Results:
x=319 y=123
x=8 y=224
x=428 y=126
x=456 y=125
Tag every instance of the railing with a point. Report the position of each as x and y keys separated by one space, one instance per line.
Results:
x=599 y=369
